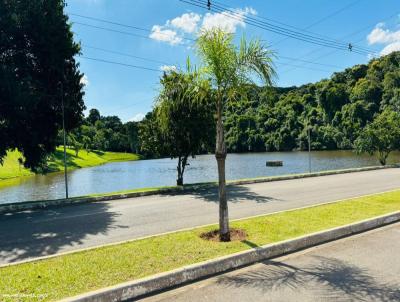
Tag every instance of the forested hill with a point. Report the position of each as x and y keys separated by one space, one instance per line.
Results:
x=335 y=109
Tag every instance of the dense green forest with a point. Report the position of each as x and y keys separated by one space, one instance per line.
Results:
x=335 y=109
x=105 y=133
x=272 y=118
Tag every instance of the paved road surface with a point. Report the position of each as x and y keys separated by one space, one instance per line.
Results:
x=31 y=234
x=365 y=267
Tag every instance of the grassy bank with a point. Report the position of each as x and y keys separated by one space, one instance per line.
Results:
x=12 y=169
x=85 y=271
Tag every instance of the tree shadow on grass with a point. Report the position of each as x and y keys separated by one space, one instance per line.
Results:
x=44 y=232
x=58 y=159
x=328 y=278
x=235 y=193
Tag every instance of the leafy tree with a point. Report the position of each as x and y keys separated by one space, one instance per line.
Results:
x=391 y=90
x=37 y=70
x=229 y=68
x=76 y=142
x=94 y=116
x=332 y=97
x=185 y=116
x=150 y=137
x=382 y=136
x=132 y=132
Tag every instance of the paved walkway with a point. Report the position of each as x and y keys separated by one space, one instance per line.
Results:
x=44 y=232
x=365 y=267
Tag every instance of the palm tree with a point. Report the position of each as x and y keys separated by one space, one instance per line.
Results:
x=230 y=67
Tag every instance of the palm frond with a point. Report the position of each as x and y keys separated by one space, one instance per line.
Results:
x=254 y=57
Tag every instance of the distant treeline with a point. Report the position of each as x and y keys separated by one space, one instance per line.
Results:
x=333 y=110
x=105 y=133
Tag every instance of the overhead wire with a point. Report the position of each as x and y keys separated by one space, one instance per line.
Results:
x=313 y=35
x=279 y=30
x=122 y=25
x=124 y=54
x=120 y=63
x=349 y=35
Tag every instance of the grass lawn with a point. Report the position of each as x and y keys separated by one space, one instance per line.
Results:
x=12 y=169
x=80 y=272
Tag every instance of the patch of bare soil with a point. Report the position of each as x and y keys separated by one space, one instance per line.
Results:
x=236 y=235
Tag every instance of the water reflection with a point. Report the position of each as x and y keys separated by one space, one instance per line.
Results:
x=162 y=172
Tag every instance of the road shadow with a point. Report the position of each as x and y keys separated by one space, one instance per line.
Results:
x=44 y=232
x=328 y=279
x=235 y=193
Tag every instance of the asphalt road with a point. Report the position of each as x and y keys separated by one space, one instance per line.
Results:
x=44 y=232
x=365 y=267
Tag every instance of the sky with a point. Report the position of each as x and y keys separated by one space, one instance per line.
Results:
x=159 y=35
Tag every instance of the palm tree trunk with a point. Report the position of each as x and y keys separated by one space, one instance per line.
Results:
x=220 y=154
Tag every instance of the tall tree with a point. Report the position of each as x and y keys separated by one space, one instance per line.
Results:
x=94 y=116
x=38 y=73
x=382 y=136
x=229 y=68
x=185 y=115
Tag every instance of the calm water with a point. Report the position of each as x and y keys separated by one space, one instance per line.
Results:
x=162 y=172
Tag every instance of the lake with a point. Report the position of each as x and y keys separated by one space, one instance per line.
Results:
x=120 y=176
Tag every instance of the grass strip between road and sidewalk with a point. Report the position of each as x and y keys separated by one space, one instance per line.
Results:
x=76 y=273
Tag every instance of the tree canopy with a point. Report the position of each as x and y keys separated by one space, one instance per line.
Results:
x=382 y=136
x=185 y=115
x=337 y=109
x=37 y=70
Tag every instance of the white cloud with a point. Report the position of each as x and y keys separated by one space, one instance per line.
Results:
x=395 y=46
x=138 y=117
x=227 y=21
x=84 y=80
x=160 y=33
x=382 y=35
x=186 y=22
x=168 y=68
x=173 y=31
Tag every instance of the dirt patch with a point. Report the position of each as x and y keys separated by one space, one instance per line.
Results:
x=236 y=235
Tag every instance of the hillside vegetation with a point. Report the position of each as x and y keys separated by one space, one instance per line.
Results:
x=335 y=109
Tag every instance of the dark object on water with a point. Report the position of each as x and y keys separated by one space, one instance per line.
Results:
x=274 y=163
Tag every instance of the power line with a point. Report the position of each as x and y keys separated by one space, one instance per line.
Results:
x=112 y=30
x=349 y=35
x=124 y=54
x=321 y=20
x=119 y=63
x=122 y=25
x=309 y=62
x=279 y=30
x=299 y=66
x=119 y=31
x=166 y=63
x=327 y=39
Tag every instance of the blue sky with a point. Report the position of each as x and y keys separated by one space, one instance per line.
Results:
x=129 y=92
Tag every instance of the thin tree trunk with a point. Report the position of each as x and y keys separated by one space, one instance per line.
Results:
x=179 y=180
x=220 y=154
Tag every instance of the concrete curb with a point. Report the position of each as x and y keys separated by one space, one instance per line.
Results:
x=35 y=205
x=153 y=284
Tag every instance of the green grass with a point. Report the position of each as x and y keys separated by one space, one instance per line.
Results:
x=12 y=169
x=80 y=272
